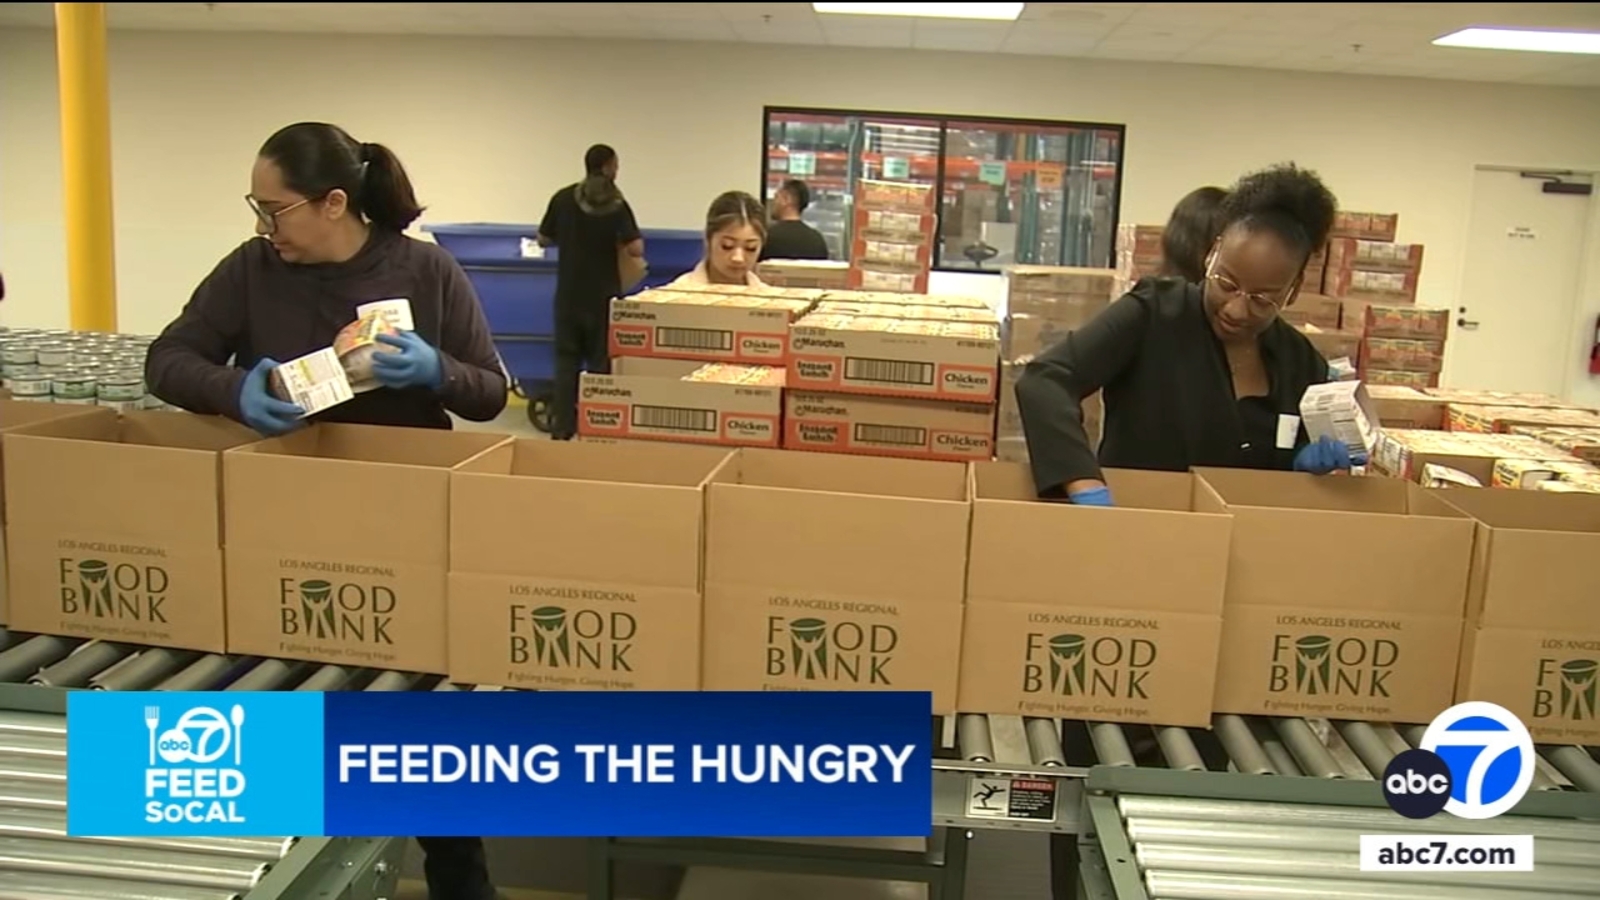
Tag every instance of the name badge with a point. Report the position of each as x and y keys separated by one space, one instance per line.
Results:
x=1288 y=431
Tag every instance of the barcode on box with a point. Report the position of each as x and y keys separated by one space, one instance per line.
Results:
x=704 y=339
x=888 y=371
x=891 y=434
x=674 y=418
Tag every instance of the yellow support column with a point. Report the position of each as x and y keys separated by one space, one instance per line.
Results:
x=86 y=164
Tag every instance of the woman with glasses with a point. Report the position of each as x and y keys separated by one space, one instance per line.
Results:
x=1194 y=374
x=330 y=214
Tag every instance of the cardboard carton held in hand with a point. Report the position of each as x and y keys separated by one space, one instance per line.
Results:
x=332 y=375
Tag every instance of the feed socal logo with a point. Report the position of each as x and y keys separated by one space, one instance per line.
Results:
x=187 y=778
x=1476 y=761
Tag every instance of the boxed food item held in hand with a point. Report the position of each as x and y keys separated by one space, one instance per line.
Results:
x=357 y=343
x=1340 y=410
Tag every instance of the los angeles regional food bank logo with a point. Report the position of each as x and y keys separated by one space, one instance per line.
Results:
x=194 y=764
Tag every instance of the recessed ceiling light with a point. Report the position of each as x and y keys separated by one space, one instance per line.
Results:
x=1523 y=39
x=1005 y=12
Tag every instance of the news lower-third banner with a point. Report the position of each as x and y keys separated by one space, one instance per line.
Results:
x=498 y=763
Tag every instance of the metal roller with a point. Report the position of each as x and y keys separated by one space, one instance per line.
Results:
x=33 y=886
x=1577 y=765
x=25 y=659
x=1391 y=738
x=81 y=665
x=446 y=685
x=1272 y=745
x=129 y=864
x=143 y=672
x=1241 y=745
x=49 y=825
x=268 y=675
x=1372 y=821
x=1280 y=839
x=33 y=768
x=972 y=739
x=1044 y=742
x=1010 y=741
x=201 y=675
x=1346 y=865
x=1110 y=744
x=1179 y=749
x=1371 y=749
x=32 y=723
x=33 y=794
x=1309 y=752
x=392 y=681
x=327 y=678
x=1210 y=886
x=34 y=744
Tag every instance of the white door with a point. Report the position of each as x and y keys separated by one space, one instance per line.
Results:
x=1513 y=320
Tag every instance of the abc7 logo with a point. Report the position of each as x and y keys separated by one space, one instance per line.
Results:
x=1417 y=784
x=1476 y=762
x=201 y=736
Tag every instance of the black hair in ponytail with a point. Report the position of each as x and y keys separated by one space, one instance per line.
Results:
x=1287 y=201
x=317 y=158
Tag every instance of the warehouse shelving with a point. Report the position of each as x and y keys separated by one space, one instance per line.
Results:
x=1151 y=813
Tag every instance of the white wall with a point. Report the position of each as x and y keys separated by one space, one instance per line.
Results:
x=488 y=127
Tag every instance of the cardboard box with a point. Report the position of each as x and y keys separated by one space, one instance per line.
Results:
x=871 y=276
x=1402 y=354
x=1388 y=320
x=1364 y=284
x=907 y=310
x=1345 y=596
x=21 y=414
x=882 y=426
x=895 y=357
x=715 y=326
x=1497 y=398
x=637 y=402
x=891 y=252
x=1584 y=443
x=1011 y=449
x=833 y=572
x=337 y=539
x=1533 y=639
x=1366 y=226
x=1024 y=335
x=1065 y=311
x=1400 y=378
x=804 y=273
x=1403 y=454
x=1355 y=253
x=1108 y=637
x=88 y=557
x=1404 y=407
x=602 y=595
x=1340 y=410
x=1140 y=241
x=1314 y=309
x=895 y=196
x=1060 y=281
x=952 y=301
x=1467 y=417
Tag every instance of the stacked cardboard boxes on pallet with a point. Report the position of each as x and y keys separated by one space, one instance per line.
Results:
x=895 y=229
x=1138 y=254
x=823 y=274
x=1400 y=345
x=894 y=375
x=1043 y=304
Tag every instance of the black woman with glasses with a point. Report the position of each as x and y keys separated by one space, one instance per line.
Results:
x=1194 y=374
x=330 y=216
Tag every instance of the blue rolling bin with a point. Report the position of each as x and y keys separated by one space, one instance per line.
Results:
x=518 y=294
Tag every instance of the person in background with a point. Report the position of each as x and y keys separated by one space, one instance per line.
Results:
x=589 y=223
x=330 y=218
x=790 y=237
x=1194 y=374
x=1190 y=234
x=736 y=229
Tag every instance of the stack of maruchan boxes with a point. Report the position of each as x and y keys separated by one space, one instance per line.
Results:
x=1043 y=303
x=895 y=375
x=895 y=229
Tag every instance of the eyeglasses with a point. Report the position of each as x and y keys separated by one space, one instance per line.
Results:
x=269 y=220
x=1262 y=304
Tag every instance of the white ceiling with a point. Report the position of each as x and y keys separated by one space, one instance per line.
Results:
x=1367 y=38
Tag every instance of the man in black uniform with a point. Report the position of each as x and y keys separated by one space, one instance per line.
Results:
x=789 y=237
x=589 y=223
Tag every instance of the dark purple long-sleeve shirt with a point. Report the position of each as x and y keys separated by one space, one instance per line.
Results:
x=254 y=305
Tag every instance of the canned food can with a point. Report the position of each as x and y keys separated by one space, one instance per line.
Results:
x=19 y=353
x=12 y=370
x=71 y=386
x=53 y=353
x=122 y=406
x=31 y=386
x=120 y=387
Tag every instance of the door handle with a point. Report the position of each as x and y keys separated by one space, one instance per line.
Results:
x=1468 y=324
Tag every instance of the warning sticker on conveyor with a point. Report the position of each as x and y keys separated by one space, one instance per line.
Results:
x=1011 y=798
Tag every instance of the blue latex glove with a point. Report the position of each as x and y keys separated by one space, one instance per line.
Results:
x=260 y=409
x=1091 y=497
x=412 y=364
x=1325 y=455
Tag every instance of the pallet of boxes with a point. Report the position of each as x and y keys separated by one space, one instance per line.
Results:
x=890 y=374
x=1043 y=304
x=704 y=365
x=895 y=228
x=1139 y=254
